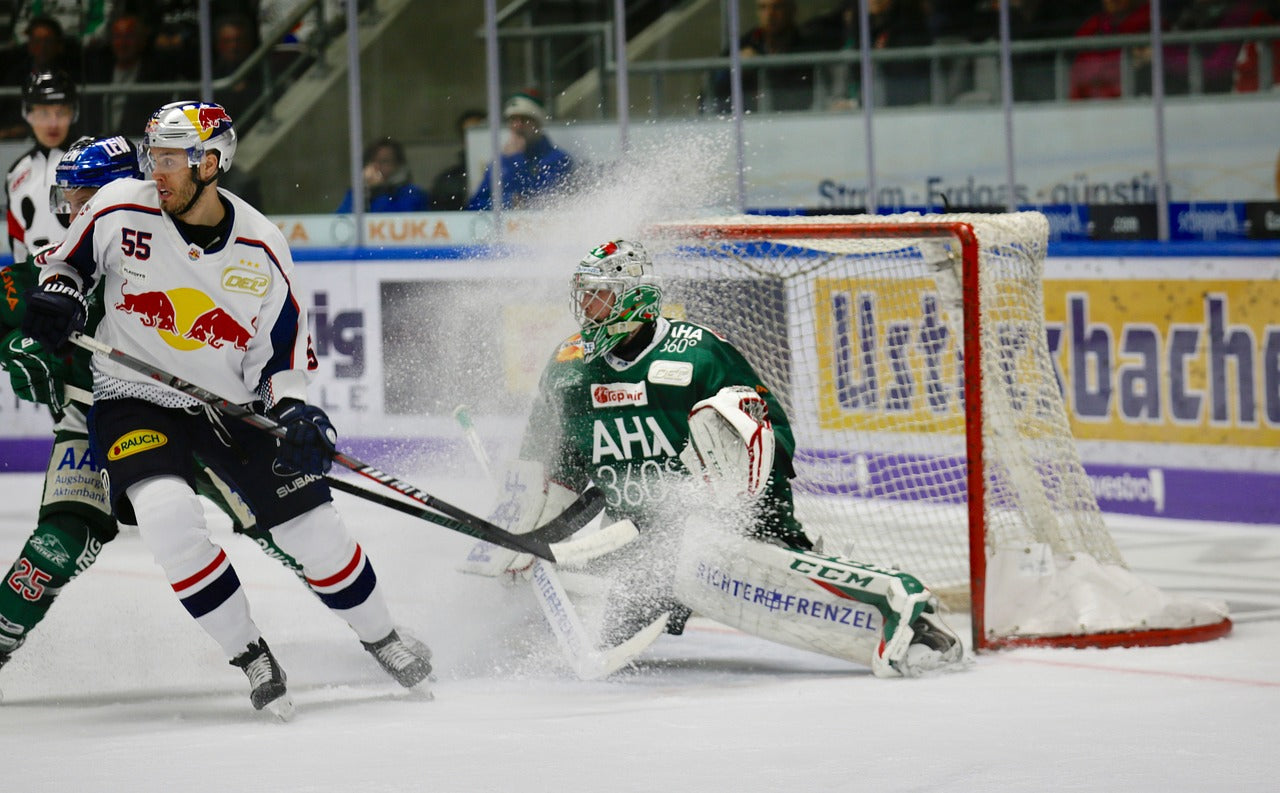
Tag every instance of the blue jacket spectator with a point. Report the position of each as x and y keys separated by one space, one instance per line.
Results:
x=388 y=186
x=531 y=165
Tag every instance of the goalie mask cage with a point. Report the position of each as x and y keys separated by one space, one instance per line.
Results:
x=910 y=354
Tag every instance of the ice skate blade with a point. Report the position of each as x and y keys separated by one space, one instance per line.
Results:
x=281 y=708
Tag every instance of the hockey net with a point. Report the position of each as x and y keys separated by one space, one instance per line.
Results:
x=910 y=354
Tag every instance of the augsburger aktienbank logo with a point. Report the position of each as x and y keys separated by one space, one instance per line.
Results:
x=612 y=395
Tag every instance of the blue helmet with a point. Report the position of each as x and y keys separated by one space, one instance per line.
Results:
x=92 y=162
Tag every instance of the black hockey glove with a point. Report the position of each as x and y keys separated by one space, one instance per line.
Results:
x=55 y=310
x=309 y=441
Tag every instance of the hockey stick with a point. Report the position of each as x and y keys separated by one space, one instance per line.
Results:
x=457 y=519
x=588 y=662
x=572 y=553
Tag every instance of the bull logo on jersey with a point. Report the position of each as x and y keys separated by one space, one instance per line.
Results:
x=186 y=319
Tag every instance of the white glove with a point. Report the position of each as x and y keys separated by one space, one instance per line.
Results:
x=731 y=444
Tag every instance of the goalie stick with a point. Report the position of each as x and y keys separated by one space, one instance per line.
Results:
x=452 y=518
x=588 y=661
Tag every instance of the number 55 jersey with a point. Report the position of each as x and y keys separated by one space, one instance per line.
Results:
x=223 y=316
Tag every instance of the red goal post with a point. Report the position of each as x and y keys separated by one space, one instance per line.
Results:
x=910 y=354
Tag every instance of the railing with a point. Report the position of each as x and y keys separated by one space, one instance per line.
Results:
x=942 y=58
x=274 y=79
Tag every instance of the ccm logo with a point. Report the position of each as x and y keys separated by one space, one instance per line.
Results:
x=609 y=395
x=250 y=283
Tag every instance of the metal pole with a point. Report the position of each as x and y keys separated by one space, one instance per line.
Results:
x=1006 y=102
x=206 y=51
x=735 y=94
x=867 y=95
x=355 y=120
x=620 y=60
x=494 y=108
x=1157 y=99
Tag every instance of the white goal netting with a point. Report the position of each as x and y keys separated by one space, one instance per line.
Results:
x=901 y=394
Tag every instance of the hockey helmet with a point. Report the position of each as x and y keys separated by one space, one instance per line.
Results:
x=614 y=292
x=49 y=88
x=196 y=127
x=92 y=162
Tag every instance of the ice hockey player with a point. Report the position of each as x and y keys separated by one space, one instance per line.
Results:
x=74 y=520
x=636 y=404
x=201 y=285
x=50 y=106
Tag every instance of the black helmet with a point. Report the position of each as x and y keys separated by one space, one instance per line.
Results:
x=49 y=88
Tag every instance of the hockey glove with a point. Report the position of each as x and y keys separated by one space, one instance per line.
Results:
x=35 y=375
x=309 y=441
x=55 y=310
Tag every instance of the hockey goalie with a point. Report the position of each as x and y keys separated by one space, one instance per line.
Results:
x=676 y=428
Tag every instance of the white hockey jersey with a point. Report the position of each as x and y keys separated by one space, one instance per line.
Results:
x=31 y=224
x=226 y=319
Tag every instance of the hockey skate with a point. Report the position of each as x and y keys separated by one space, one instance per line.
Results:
x=266 y=680
x=933 y=646
x=407 y=660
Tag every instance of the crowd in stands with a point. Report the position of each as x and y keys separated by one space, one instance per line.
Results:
x=136 y=42
x=1228 y=66
x=141 y=42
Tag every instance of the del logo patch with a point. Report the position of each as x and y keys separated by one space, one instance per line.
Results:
x=671 y=373
x=612 y=395
x=136 y=441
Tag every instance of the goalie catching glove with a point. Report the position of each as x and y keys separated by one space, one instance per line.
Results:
x=731 y=445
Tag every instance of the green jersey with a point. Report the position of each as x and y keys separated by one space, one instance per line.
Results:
x=621 y=424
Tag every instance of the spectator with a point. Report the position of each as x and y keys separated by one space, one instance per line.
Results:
x=531 y=166
x=1217 y=61
x=129 y=60
x=781 y=88
x=1095 y=74
x=388 y=186
x=449 y=189
x=235 y=38
x=83 y=21
x=47 y=50
x=894 y=23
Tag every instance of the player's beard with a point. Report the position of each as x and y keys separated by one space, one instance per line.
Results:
x=179 y=197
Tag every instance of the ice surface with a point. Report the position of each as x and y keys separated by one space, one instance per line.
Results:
x=119 y=690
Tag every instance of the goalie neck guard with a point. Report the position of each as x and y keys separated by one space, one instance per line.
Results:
x=613 y=292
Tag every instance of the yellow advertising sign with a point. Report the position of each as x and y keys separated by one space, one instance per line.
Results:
x=1158 y=360
x=1164 y=360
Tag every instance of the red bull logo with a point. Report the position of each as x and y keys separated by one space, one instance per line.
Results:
x=215 y=328
x=187 y=319
x=155 y=309
x=207 y=119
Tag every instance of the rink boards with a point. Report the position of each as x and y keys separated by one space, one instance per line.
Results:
x=1170 y=366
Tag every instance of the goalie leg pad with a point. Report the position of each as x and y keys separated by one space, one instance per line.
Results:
x=824 y=604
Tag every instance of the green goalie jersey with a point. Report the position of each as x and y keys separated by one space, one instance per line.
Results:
x=622 y=424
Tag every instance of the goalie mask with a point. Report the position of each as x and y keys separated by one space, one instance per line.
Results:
x=613 y=292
